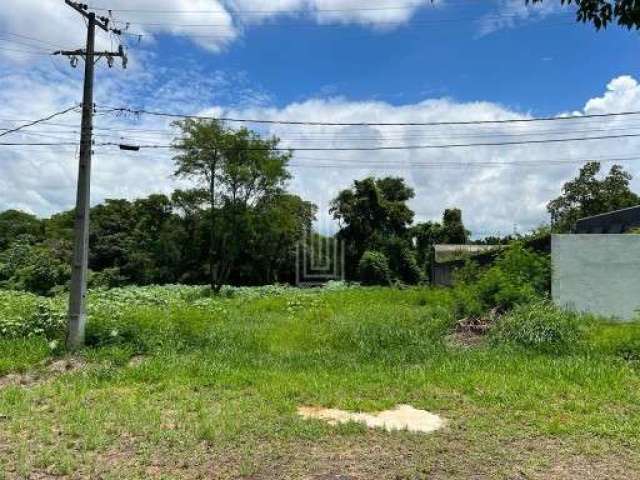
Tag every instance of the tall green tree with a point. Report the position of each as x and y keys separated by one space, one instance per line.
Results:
x=372 y=211
x=237 y=168
x=453 y=231
x=280 y=223
x=588 y=195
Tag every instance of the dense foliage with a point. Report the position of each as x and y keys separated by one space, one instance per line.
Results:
x=519 y=276
x=602 y=13
x=373 y=268
x=588 y=195
x=240 y=175
x=240 y=226
x=539 y=326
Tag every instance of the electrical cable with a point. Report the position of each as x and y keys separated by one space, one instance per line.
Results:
x=35 y=122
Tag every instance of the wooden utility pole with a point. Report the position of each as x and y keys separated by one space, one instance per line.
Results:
x=80 y=262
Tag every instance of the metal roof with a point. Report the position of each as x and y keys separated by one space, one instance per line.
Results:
x=447 y=253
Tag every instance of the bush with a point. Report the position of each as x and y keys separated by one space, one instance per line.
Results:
x=374 y=269
x=539 y=326
x=34 y=268
x=518 y=277
x=408 y=269
x=402 y=261
x=107 y=278
x=27 y=315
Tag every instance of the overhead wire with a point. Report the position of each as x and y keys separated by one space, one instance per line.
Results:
x=138 y=112
x=35 y=122
x=399 y=147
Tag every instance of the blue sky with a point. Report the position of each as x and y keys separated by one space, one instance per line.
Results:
x=329 y=60
x=542 y=65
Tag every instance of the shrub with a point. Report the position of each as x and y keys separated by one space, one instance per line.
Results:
x=408 y=269
x=107 y=278
x=26 y=315
x=402 y=261
x=518 y=277
x=34 y=268
x=374 y=269
x=469 y=273
x=539 y=326
x=525 y=267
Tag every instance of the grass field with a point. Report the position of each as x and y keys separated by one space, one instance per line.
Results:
x=179 y=385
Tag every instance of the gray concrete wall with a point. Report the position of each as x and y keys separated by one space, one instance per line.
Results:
x=597 y=274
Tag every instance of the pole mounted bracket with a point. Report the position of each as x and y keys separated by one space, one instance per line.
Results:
x=80 y=53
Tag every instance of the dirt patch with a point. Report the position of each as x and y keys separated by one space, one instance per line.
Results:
x=19 y=379
x=331 y=476
x=464 y=340
x=48 y=372
x=136 y=361
x=65 y=365
x=403 y=417
x=471 y=331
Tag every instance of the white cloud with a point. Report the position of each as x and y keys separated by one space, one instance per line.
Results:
x=623 y=94
x=493 y=197
x=511 y=13
x=335 y=11
x=211 y=24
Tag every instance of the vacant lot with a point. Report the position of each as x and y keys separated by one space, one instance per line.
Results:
x=179 y=385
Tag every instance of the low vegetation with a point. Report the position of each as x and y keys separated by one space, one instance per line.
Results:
x=179 y=383
x=186 y=381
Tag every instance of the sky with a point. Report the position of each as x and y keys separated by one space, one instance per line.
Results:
x=339 y=61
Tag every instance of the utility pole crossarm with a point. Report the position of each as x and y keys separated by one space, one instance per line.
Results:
x=82 y=9
x=96 y=55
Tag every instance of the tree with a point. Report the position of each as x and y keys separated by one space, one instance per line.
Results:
x=36 y=267
x=453 y=231
x=112 y=225
x=587 y=195
x=371 y=211
x=280 y=223
x=190 y=206
x=426 y=235
x=238 y=169
x=601 y=13
x=14 y=223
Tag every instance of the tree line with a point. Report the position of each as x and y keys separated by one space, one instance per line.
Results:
x=239 y=225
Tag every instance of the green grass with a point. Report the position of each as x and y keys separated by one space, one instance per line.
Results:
x=217 y=392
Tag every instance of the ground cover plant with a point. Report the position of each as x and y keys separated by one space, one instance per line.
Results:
x=179 y=383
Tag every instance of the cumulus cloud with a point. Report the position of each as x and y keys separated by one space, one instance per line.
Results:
x=497 y=187
x=59 y=27
x=211 y=24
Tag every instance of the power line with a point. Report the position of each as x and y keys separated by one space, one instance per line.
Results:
x=138 y=112
x=39 y=144
x=339 y=136
x=26 y=52
x=398 y=147
x=222 y=11
x=331 y=163
x=26 y=37
x=330 y=25
x=35 y=122
x=24 y=44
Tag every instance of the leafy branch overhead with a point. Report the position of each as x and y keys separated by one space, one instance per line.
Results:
x=601 y=13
